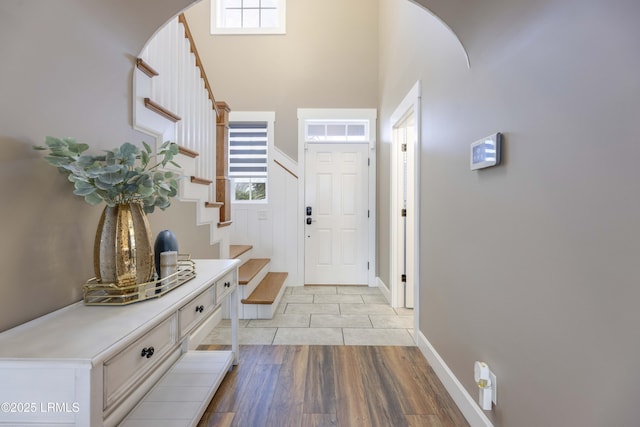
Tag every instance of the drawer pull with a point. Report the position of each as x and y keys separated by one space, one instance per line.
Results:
x=147 y=352
x=200 y=309
x=227 y=284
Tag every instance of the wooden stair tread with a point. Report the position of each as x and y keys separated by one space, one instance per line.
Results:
x=236 y=250
x=146 y=68
x=187 y=152
x=267 y=290
x=159 y=109
x=199 y=180
x=249 y=269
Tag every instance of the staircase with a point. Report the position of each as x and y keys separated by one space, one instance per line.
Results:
x=260 y=290
x=173 y=101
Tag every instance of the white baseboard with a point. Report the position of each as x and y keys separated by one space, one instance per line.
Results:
x=467 y=405
x=384 y=289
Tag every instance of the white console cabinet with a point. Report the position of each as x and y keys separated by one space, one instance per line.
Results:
x=129 y=365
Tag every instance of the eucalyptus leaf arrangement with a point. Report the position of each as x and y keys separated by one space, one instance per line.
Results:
x=122 y=175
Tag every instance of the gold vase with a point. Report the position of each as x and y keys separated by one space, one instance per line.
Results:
x=123 y=248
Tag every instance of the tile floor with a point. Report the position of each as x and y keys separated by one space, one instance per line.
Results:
x=326 y=315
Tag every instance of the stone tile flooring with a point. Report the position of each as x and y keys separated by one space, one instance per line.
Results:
x=326 y=315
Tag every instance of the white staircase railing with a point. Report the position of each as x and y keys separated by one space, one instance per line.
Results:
x=180 y=88
x=172 y=77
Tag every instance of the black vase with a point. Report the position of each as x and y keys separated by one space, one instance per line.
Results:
x=165 y=242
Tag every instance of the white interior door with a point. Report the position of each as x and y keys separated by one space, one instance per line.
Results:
x=404 y=144
x=410 y=218
x=336 y=229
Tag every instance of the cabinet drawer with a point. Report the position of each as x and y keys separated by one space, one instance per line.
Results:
x=122 y=372
x=196 y=311
x=224 y=286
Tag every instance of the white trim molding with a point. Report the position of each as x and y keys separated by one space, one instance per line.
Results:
x=370 y=114
x=467 y=405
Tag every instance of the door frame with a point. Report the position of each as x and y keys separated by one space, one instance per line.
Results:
x=409 y=105
x=369 y=114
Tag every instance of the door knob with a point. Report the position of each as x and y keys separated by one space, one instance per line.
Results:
x=309 y=220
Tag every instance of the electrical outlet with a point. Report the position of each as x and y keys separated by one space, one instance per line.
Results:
x=494 y=388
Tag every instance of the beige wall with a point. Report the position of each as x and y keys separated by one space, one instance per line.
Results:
x=66 y=71
x=326 y=60
x=556 y=315
x=181 y=218
x=530 y=266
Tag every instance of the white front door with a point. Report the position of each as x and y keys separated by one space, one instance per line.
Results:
x=336 y=214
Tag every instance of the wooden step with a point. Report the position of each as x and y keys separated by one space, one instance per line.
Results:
x=146 y=68
x=268 y=289
x=250 y=269
x=203 y=181
x=159 y=109
x=236 y=250
x=187 y=152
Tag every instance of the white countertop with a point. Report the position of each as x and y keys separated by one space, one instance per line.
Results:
x=82 y=333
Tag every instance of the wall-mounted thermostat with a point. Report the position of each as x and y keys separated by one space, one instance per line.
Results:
x=486 y=152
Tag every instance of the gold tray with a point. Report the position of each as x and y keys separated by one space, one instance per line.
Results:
x=109 y=294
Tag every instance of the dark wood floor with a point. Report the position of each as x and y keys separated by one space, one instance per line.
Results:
x=347 y=386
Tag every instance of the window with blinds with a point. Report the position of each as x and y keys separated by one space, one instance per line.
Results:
x=248 y=160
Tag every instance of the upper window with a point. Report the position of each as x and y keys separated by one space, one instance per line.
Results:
x=248 y=16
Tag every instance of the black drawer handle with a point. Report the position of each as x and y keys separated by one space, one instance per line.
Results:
x=147 y=352
x=227 y=284
x=199 y=309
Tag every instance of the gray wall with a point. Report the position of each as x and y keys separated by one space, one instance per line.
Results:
x=530 y=266
x=65 y=71
x=315 y=65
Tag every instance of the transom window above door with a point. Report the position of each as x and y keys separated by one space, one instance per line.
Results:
x=248 y=17
x=337 y=131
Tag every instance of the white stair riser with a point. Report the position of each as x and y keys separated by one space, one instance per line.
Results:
x=187 y=166
x=265 y=311
x=254 y=311
x=245 y=256
x=246 y=290
x=259 y=311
